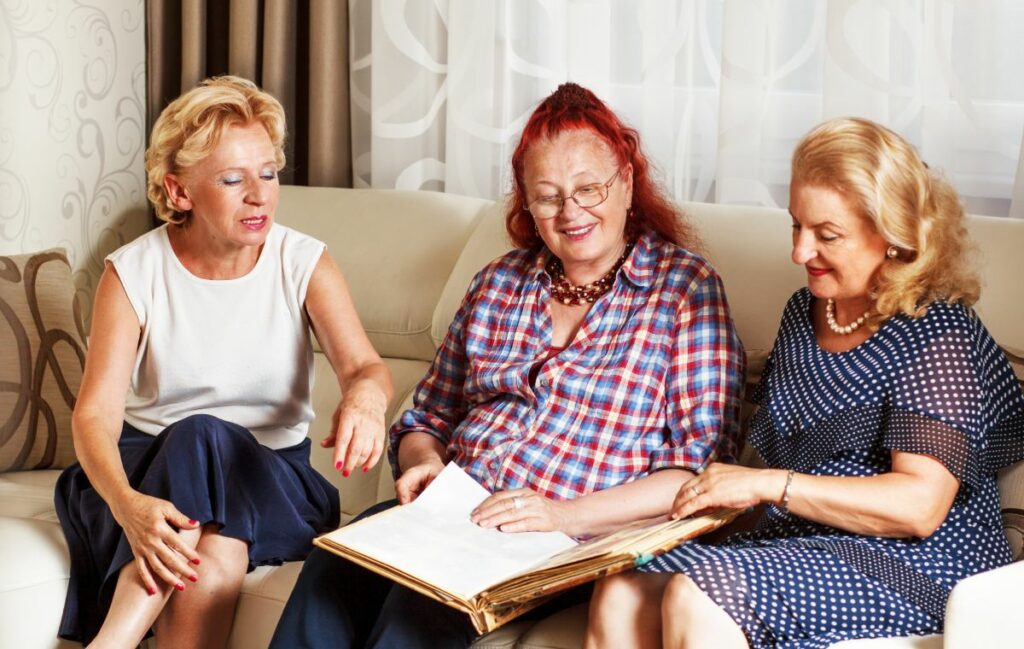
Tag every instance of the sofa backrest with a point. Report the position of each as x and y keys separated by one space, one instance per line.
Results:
x=396 y=249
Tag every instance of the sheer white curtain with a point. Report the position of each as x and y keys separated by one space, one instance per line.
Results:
x=720 y=91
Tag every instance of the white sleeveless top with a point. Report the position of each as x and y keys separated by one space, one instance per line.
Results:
x=239 y=349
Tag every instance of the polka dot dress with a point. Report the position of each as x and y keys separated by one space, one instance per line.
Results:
x=938 y=385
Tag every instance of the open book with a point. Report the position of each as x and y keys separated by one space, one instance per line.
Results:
x=432 y=547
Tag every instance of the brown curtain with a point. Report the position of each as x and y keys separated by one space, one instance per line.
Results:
x=295 y=49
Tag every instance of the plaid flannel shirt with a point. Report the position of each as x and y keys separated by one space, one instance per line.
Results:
x=652 y=379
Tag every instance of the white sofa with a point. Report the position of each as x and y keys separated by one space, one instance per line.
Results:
x=408 y=257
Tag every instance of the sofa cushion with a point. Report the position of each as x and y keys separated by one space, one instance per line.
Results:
x=487 y=242
x=28 y=494
x=260 y=604
x=360 y=490
x=34 y=565
x=36 y=587
x=506 y=637
x=562 y=630
x=42 y=353
x=401 y=242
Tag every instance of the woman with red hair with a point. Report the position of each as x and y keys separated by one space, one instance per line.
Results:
x=587 y=375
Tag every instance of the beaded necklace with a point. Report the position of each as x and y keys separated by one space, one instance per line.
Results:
x=571 y=295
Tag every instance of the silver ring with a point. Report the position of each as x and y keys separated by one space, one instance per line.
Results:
x=695 y=490
x=517 y=503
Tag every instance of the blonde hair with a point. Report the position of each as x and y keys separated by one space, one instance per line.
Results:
x=190 y=127
x=911 y=206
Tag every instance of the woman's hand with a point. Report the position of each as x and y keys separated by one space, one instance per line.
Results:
x=417 y=478
x=357 y=428
x=728 y=485
x=149 y=525
x=523 y=510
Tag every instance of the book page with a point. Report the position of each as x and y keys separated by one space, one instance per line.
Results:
x=433 y=539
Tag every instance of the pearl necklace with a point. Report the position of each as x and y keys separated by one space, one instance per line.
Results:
x=842 y=330
x=571 y=295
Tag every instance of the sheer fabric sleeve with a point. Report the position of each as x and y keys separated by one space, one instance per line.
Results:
x=945 y=404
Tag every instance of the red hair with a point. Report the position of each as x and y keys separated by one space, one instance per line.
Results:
x=573 y=107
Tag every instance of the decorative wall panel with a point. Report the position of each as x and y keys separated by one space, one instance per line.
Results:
x=72 y=102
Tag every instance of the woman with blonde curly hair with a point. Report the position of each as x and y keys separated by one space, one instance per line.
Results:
x=886 y=409
x=190 y=426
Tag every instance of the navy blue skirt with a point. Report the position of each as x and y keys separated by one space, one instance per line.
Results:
x=213 y=471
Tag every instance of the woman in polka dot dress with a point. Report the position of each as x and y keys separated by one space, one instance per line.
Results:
x=886 y=410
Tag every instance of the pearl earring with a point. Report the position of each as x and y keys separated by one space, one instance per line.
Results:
x=892 y=252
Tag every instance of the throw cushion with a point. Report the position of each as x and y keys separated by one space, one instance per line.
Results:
x=42 y=354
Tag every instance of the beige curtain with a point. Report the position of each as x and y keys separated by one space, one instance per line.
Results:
x=295 y=49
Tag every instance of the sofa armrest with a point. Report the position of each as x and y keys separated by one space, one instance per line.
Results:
x=983 y=609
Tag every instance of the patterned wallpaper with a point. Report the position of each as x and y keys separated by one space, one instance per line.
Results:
x=72 y=120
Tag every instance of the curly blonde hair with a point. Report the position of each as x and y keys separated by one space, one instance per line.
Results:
x=911 y=206
x=190 y=127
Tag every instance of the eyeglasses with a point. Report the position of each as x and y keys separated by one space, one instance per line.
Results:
x=592 y=195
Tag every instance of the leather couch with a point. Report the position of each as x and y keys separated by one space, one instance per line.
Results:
x=408 y=257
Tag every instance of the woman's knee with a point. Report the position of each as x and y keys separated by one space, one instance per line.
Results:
x=223 y=560
x=629 y=594
x=624 y=611
x=682 y=598
x=614 y=592
x=690 y=617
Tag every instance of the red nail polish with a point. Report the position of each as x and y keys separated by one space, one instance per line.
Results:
x=193 y=522
x=337 y=465
x=193 y=578
x=195 y=562
x=365 y=469
x=151 y=591
x=346 y=473
x=179 y=587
